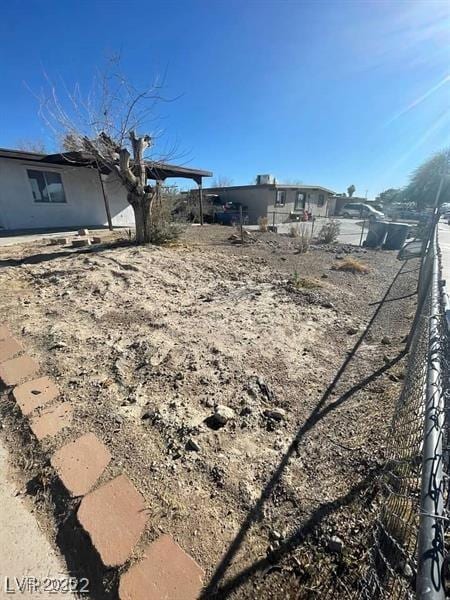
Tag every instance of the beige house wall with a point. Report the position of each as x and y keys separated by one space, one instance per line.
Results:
x=261 y=201
x=313 y=204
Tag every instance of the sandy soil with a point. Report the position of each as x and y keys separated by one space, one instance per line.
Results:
x=146 y=342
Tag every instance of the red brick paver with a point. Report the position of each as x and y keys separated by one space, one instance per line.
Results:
x=35 y=394
x=114 y=516
x=165 y=573
x=19 y=369
x=80 y=463
x=51 y=420
x=4 y=332
x=9 y=347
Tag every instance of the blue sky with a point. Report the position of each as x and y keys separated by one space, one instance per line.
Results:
x=326 y=92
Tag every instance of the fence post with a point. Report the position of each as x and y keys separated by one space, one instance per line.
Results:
x=362 y=233
x=241 y=224
x=430 y=583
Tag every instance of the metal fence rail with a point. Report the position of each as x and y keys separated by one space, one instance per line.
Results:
x=407 y=557
x=282 y=222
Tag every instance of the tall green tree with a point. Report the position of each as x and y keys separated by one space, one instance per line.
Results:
x=390 y=195
x=431 y=177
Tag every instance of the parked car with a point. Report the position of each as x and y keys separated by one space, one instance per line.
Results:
x=361 y=210
x=229 y=213
x=444 y=211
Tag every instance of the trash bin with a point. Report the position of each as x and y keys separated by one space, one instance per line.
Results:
x=376 y=234
x=396 y=236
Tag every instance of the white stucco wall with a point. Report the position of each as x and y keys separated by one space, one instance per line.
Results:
x=84 y=206
x=121 y=212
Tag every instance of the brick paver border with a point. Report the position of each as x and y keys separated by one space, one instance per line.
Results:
x=114 y=514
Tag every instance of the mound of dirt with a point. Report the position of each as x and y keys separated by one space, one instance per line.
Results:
x=152 y=344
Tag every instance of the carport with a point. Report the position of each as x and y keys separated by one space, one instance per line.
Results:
x=156 y=171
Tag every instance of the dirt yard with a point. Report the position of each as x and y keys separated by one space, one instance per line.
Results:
x=274 y=498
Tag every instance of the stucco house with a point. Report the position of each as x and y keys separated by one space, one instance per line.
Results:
x=67 y=190
x=276 y=201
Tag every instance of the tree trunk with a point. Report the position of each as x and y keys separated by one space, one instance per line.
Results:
x=142 y=206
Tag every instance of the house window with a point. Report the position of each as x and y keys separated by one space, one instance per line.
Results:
x=321 y=200
x=281 y=197
x=46 y=186
x=300 y=201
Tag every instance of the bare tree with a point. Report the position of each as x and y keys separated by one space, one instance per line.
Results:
x=37 y=146
x=222 y=181
x=103 y=123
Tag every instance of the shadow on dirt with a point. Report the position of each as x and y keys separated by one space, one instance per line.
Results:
x=43 y=257
x=216 y=588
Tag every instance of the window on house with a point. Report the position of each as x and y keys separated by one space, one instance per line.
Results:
x=46 y=186
x=299 y=201
x=281 y=197
x=321 y=200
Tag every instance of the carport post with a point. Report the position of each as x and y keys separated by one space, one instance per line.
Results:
x=200 y=198
x=105 y=200
x=158 y=191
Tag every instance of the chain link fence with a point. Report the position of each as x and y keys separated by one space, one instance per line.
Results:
x=283 y=222
x=407 y=558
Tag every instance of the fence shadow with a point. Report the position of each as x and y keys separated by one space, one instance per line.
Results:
x=214 y=589
x=297 y=538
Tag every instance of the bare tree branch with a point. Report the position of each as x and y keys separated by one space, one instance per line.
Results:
x=103 y=123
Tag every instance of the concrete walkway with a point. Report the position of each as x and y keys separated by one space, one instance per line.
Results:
x=24 y=238
x=28 y=563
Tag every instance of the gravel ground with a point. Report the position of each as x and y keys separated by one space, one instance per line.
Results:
x=206 y=368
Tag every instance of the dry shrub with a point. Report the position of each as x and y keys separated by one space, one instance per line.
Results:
x=163 y=229
x=352 y=265
x=294 y=231
x=303 y=282
x=301 y=231
x=263 y=224
x=329 y=232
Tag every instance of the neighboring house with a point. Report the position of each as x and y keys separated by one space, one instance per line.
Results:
x=67 y=190
x=278 y=202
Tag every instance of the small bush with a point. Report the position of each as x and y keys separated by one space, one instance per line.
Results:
x=303 y=282
x=263 y=224
x=351 y=265
x=303 y=233
x=164 y=230
x=329 y=232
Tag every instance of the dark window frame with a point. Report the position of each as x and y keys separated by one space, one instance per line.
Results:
x=46 y=176
x=300 y=204
x=277 y=201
